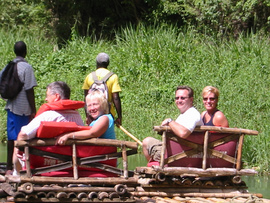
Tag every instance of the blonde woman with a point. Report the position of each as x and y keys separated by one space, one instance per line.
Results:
x=102 y=124
x=212 y=116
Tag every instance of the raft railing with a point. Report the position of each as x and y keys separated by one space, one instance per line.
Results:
x=205 y=149
x=29 y=147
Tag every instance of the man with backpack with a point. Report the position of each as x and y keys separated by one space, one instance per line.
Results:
x=108 y=82
x=22 y=108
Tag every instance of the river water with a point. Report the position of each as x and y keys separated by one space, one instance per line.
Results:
x=256 y=184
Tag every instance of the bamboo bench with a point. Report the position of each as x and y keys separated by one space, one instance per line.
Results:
x=32 y=147
x=208 y=151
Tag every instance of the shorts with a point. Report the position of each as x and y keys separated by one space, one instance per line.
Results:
x=154 y=148
x=14 y=124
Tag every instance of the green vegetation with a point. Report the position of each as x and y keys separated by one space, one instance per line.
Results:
x=151 y=62
x=101 y=18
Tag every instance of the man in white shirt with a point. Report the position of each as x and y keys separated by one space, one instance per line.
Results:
x=58 y=93
x=183 y=126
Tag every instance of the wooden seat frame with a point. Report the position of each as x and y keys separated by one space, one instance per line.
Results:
x=207 y=148
x=75 y=162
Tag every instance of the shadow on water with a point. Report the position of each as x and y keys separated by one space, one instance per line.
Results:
x=256 y=184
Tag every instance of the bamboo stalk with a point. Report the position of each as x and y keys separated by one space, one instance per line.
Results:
x=163 y=149
x=78 y=189
x=204 y=195
x=213 y=128
x=205 y=146
x=239 y=153
x=85 y=180
x=74 y=162
x=27 y=160
x=195 y=172
x=125 y=161
x=129 y=134
x=92 y=141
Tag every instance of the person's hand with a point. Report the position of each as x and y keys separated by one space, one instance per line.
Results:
x=32 y=116
x=118 y=121
x=62 y=139
x=165 y=122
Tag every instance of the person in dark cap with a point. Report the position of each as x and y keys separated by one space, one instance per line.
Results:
x=22 y=108
x=102 y=62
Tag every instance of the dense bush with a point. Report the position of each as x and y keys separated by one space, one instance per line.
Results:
x=100 y=19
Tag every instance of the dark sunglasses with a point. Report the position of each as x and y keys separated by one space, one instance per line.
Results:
x=182 y=98
x=210 y=98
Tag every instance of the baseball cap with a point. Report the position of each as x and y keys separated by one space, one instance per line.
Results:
x=103 y=58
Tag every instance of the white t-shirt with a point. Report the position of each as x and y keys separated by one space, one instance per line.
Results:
x=190 y=119
x=58 y=116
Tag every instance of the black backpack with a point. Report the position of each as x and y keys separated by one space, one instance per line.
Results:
x=10 y=83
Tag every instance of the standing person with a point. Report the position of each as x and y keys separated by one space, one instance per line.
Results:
x=102 y=62
x=182 y=127
x=212 y=116
x=22 y=108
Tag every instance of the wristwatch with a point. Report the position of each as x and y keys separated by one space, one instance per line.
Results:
x=169 y=120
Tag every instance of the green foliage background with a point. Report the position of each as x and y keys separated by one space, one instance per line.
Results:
x=151 y=62
x=154 y=46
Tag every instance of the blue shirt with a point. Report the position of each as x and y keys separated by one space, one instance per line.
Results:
x=109 y=134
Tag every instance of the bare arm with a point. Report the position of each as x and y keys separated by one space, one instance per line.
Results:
x=220 y=120
x=98 y=129
x=177 y=128
x=117 y=104
x=22 y=136
x=31 y=99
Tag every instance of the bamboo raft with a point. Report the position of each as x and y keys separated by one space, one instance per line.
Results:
x=163 y=182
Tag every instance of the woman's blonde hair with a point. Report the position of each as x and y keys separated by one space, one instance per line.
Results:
x=97 y=94
x=210 y=89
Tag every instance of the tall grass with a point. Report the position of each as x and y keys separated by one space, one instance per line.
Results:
x=151 y=62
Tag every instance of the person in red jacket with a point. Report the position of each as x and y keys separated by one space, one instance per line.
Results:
x=59 y=108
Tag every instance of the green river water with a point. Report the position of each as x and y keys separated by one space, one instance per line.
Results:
x=256 y=184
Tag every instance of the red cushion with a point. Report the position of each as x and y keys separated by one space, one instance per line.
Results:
x=152 y=163
x=228 y=148
x=49 y=129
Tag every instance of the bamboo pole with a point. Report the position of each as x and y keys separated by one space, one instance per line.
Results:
x=27 y=160
x=125 y=161
x=74 y=162
x=93 y=141
x=84 y=180
x=129 y=134
x=163 y=149
x=205 y=146
x=195 y=194
x=190 y=171
x=239 y=153
x=213 y=128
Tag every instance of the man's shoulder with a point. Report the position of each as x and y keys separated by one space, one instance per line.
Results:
x=192 y=110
